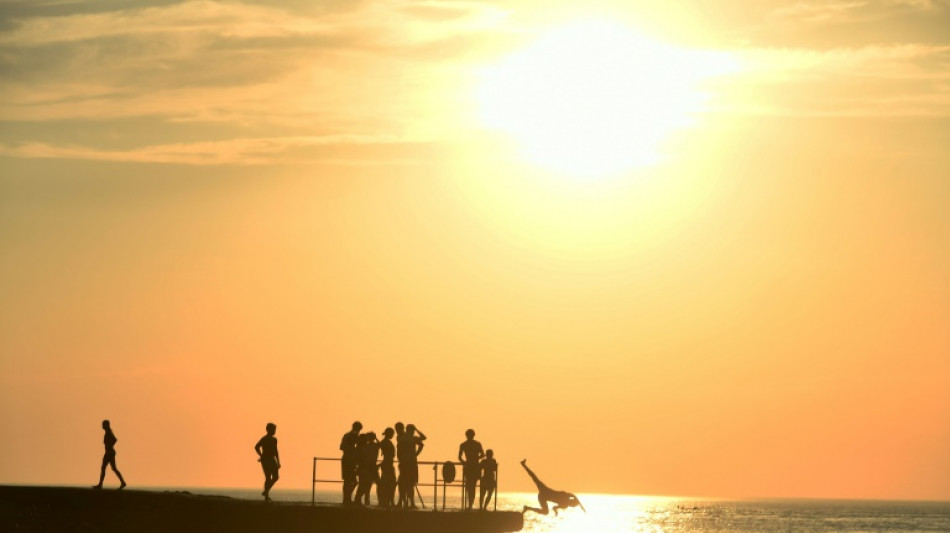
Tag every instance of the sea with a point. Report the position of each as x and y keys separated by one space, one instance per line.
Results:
x=609 y=513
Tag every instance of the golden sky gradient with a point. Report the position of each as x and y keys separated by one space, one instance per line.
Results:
x=680 y=248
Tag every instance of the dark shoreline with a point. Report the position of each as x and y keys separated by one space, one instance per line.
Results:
x=46 y=509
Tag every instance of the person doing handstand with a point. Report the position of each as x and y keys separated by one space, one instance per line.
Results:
x=561 y=499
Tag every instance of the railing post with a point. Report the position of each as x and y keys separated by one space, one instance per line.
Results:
x=313 y=484
x=495 y=494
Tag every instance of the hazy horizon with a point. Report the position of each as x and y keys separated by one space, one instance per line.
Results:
x=679 y=248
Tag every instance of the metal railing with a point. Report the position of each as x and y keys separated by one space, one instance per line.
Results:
x=436 y=479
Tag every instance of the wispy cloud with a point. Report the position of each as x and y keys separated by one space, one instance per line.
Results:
x=300 y=83
x=909 y=79
x=818 y=11
x=227 y=61
x=843 y=11
x=346 y=150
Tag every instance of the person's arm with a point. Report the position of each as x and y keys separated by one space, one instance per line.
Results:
x=420 y=446
x=276 y=454
x=257 y=448
x=460 y=451
x=421 y=434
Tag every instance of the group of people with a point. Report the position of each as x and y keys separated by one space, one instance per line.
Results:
x=360 y=468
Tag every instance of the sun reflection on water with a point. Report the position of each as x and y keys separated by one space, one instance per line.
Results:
x=608 y=513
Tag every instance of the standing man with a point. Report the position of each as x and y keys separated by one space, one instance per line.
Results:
x=108 y=458
x=386 y=487
x=470 y=453
x=410 y=469
x=267 y=455
x=349 y=462
x=402 y=448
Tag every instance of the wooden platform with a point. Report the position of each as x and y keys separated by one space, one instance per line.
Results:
x=129 y=511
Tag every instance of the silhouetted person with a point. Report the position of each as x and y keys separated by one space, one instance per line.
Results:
x=470 y=453
x=386 y=486
x=489 y=475
x=408 y=449
x=561 y=499
x=108 y=458
x=266 y=449
x=367 y=453
x=348 y=464
x=402 y=445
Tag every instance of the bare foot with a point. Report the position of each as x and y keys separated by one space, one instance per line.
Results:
x=122 y=486
x=97 y=487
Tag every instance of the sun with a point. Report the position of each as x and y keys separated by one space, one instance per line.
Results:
x=594 y=98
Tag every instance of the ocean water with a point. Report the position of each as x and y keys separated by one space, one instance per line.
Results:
x=635 y=514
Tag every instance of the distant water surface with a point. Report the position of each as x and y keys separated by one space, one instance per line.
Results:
x=629 y=514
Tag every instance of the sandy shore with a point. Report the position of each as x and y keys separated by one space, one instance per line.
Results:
x=51 y=509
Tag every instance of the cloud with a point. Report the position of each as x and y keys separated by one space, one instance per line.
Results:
x=818 y=11
x=924 y=5
x=845 y=11
x=376 y=65
x=895 y=80
x=336 y=149
x=304 y=82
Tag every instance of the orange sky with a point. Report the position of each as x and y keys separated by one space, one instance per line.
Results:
x=214 y=215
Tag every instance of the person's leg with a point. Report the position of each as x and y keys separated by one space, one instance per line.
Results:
x=274 y=475
x=390 y=493
x=401 y=485
x=542 y=510
x=117 y=473
x=360 y=488
x=266 y=471
x=413 y=472
x=470 y=482
x=488 y=495
x=349 y=481
x=534 y=478
x=102 y=471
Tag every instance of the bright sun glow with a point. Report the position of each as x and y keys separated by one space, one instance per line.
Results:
x=595 y=98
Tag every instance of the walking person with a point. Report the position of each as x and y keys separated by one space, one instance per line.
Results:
x=267 y=455
x=470 y=453
x=560 y=498
x=108 y=458
x=386 y=486
x=489 y=474
x=348 y=463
